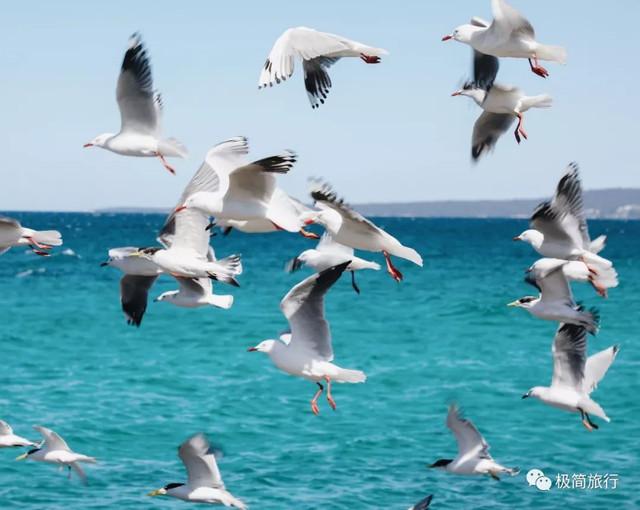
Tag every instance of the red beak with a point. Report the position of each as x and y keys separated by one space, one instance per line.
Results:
x=88 y=145
x=447 y=37
x=308 y=222
x=251 y=349
x=181 y=208
x=456 y=93
x=516 y=238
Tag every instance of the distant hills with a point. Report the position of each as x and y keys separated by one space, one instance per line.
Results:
x=615 y=203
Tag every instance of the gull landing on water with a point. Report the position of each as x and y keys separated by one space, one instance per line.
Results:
x=473 y=451
x=140 y=112
x=574 y=375
x=509 y=35
x=318 y=51
x=204 y=482
x=12 y=233
x=307 y=351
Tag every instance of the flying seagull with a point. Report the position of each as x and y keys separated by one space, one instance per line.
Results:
x=576 y=270
x=318 y=52
x=55 y=451
x=574 y=375
x=509 y=35
x=140 y=112
x=12 y=233
x=204 y=482
x=329 y=253
x=559 y=226
x=306 y=351
x=473 y=451
x=10 y=440
x=555 y=302
x=350 y=228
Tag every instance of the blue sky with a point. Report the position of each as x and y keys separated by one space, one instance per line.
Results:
x=389 y=132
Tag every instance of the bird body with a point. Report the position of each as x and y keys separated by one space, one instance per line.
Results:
x=12 y=233
x=10 y=440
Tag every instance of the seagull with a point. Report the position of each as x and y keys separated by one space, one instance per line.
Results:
x=56 y=451
x=351 y=229
x=195 y=292
x=328 y=253
x=10 y=440
x=306 y=350
x=555 y=302
x=423 y=504
x=559 y=226
x=576 y=270
x=574 y=375
x=228 y=187
x=14 y=234
x=318 y=52
x=204 y=483
x=140 y=112
x=501 y=104
x=473 y=451
x=509 y=35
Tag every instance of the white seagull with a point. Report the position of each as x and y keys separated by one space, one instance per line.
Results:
x=555 y=302
x=140 y=112
x=55 y=451
x=574 y=375
x=559 y=226
x=577 y=271
x=307 y=351
x=14 y=234
x=10 y=440
x=328 y=253
x=509 y=35
x=204 y=482
x=502 y=104
x=350 y=228
x=473 y=451
x=318 y=51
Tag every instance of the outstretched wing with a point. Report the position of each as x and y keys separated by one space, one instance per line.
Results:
x=486 y=131
x=134 y=293
x=596 y=367
x=5 y=428
x=470 y=441
x=197 y=457
x=569 y=353
x=52 y=440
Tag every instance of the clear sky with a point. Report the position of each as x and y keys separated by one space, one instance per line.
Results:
x=388 y=132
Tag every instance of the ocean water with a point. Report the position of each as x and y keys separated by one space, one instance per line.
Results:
x=129 y=396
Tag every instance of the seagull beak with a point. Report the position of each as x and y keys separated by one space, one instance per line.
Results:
x=513 y=303
x=157 y=492
x=105 y=263
x=181 y=208
x=87 y=145
x=526 y=395
x=517 y=238
x=252 y=349
x=22 y=457
x=447 y=37
x=294 y=264
x=456 y=93
x=308 y=222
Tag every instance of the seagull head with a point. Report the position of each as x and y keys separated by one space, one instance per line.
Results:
x=475 y=93
x=536 y=391
x=531 y=236
x=26 y=455
x=166 y=296
x=441 y=463
x=265 y=346
x=524 y=302
x=100 y=140
x=166 y=490
x=462 y=34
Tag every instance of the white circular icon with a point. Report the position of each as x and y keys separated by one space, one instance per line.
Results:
x=533 y=475
x=543 y=483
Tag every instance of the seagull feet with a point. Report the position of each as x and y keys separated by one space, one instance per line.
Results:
x=39 y=245
x=602 y=291
x=314 y=408
x=40 y=252
x=370 y=59
x=520 y=129
x=308 y=235
x=587 y=425
x=537 y=68
x=332 y=402
x=391 y=269
x=166 y=165
x=314 y=401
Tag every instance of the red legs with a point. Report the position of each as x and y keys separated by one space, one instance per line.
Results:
x=332 y=402
x=393 y=270
x=370 y=59
x=308 y=235
x=537 y=68
x=314 y=400
x=33 y=244
x=586 y=421
x=39 y=245
x=278 y=227
x=602 y=291
x=165 y=164
x=520 y=129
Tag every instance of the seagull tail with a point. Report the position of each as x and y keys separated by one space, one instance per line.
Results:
x=221 y=301
x=172 y=148
x=231 y=265
x=552 y=53
x=512 y=471
x=407 y=253
x=350 y=376
x=87 y=459
x=48 y=237
x=598 y=244
x=541 y=101
x=596 y=260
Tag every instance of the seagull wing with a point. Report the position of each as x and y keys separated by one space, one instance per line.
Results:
x=139 y=108
x=10 y=232
x=316 y=79
x=569 y=353
x=303 y=306
x=5 y=428
x=328 y=245
x=423 y=504
x=197 y=457
x=470 y=441
x=79 y=471
x=134 y=292
x=507 y=23
x=52 y=440
x=596 y=367
x=485 y=67
x=486 y=131
x=195 y=287
x=553 y=286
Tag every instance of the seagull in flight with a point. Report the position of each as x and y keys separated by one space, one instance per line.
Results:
x=140 y=112
x=12 y=233
x=473 y=451
x=204 y=482
x=306 y=351
x=10 y=440
x=575 y=270
x=318 y=52
x=56 y=451
x=574 y=375
x=509 y=35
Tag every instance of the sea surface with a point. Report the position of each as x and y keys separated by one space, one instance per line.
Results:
x=129 y=396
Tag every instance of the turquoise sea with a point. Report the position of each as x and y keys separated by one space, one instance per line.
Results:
x=129 y=396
